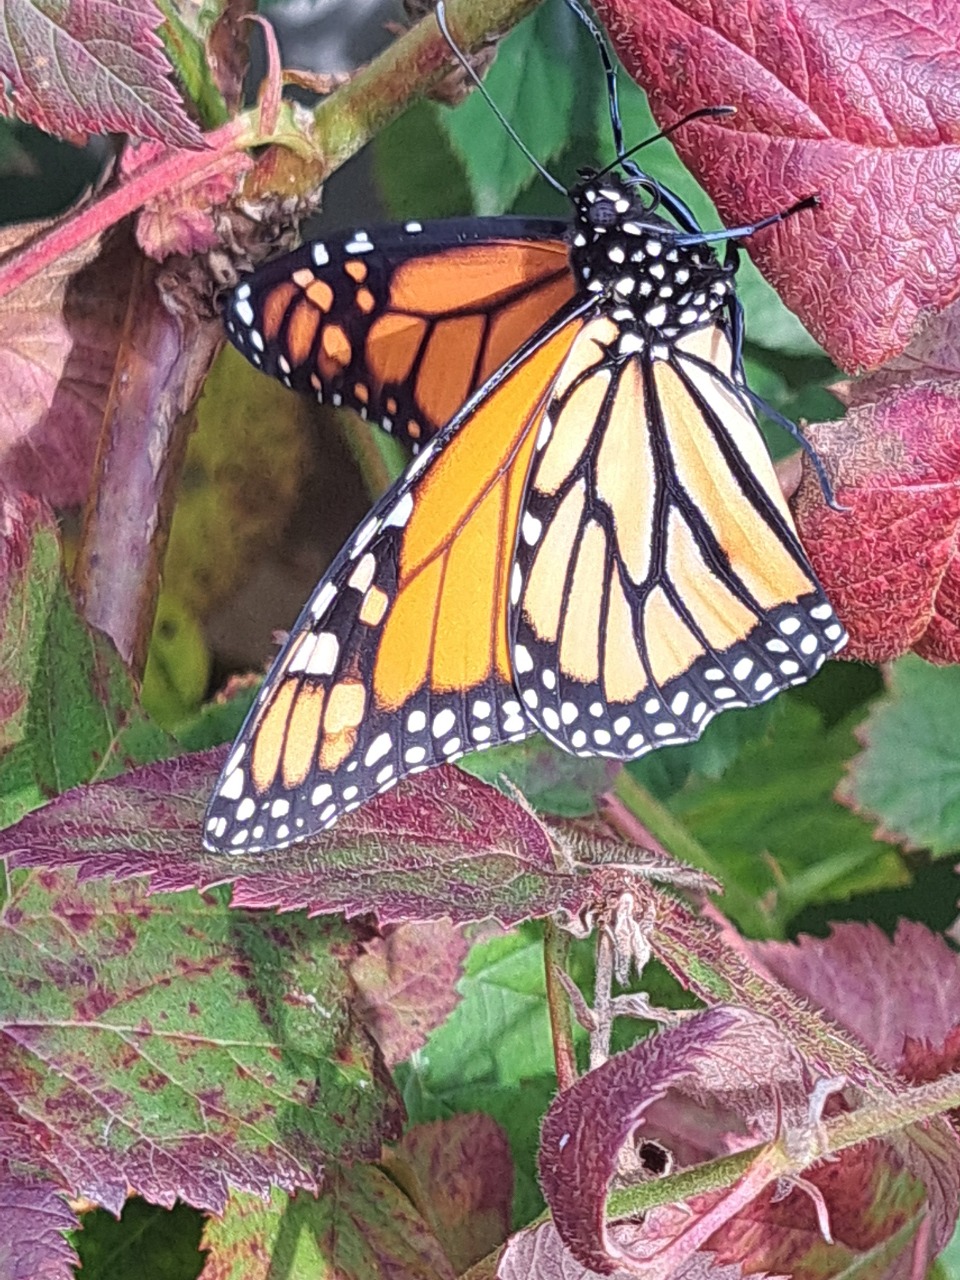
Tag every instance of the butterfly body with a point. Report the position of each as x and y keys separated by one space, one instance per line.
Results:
x=594 y=545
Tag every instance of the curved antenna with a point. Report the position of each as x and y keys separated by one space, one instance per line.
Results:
x=699 y=114
x=465 y=63
x=613 y=89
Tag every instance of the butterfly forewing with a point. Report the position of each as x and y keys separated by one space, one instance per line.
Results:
x=403 y=324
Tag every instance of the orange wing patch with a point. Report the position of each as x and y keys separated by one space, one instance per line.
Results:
x=404 y=337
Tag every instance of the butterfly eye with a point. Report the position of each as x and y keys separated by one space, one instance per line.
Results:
x=602 y=214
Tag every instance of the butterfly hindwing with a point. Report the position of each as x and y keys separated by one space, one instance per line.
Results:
x=404 y=323
x=401 y=658
x=658 y=576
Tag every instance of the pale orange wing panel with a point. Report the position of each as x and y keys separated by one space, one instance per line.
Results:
x=405 y=324
x=401 y=658
x=659 y=577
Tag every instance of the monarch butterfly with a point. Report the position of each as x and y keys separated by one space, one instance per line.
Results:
x=591 y=542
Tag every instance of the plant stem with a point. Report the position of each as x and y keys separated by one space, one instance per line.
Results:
x=556 y=950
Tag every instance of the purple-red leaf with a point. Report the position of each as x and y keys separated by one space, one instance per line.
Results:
x=34 y=1216
x=91 y=66
x=735 y=1081
x=179 y=1047
x=407 y=983
x=589 y=1123
x=889 y=562
x=889 y=994
x=59 y=336
x=855 y=101
x=442 y=844
x=459 y=1174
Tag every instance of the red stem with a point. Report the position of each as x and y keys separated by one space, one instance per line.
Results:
x=175 y=166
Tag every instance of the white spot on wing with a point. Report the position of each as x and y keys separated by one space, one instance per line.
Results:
x=324 y=657
x=325 y=597
x=401 y=512
x=378 y=749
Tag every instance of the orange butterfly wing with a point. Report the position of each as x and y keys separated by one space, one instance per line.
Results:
x=401 y=659
x=405 y=323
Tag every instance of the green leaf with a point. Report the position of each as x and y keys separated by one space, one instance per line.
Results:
x=74 y=715
x=184 y=42
x=360 y=1226
x=493 y=1054
x=173 y=1044
x=907 y=776
x=178 y=665
x=148 y=1241
x=773 y=826
x=664 y=772
x=550 y=779
x=417 y=173
x=219 y=721
x=531 y=84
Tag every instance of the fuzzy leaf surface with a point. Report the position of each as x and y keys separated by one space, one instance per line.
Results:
x=894 y=995
x=34 y=1216
x=889 y=562
x=442 y=844
x=686 y=1088
x=79 y=67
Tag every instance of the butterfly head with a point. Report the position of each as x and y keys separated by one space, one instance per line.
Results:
x=627 y=253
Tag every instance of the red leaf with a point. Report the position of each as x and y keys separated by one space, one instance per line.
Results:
x=734 y=1081
x=902 y=1000
x=459 y=1174
x=442 y=844
x=886 y=992
x=407 y=983
x=889 y=563
x=34 y=1216
x=91 y=66
x=59 y=336
x=589 y=1123
x=856 y=101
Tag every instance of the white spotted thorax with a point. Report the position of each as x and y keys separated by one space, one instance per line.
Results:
x=628 y=255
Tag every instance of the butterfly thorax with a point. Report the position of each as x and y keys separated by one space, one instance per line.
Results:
x=634 y=259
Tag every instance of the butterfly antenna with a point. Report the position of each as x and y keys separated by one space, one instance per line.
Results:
x=610 y=71
x=750 y=228
x=700 y=114
x=465 y=63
